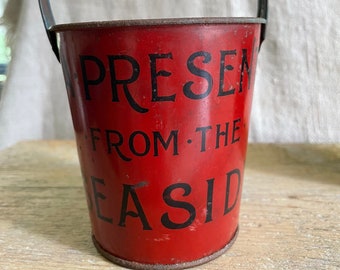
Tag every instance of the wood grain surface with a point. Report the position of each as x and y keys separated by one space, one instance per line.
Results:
x=290 y=212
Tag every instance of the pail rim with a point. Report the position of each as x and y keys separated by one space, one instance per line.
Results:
x=95 y=25
x=51 y=27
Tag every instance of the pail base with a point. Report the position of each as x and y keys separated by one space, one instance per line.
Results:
x=142 y=266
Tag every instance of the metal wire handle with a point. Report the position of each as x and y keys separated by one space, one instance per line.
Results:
x=262 y=12
x=49 y=22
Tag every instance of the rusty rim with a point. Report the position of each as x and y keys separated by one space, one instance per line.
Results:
x=52 y=28
x=178 y=266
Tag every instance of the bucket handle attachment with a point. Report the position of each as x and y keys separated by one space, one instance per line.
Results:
x=49 y=22
x=262 y=12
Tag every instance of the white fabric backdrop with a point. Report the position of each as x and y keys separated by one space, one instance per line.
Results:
x=297 y=93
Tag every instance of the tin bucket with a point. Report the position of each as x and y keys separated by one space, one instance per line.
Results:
x=161 y=111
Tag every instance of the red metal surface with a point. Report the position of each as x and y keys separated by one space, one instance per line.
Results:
x=161 y=116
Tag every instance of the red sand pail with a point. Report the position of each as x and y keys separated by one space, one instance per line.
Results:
x=161 y=114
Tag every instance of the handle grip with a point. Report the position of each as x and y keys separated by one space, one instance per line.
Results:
x=49 y=22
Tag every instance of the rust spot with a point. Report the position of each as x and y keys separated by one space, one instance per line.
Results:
x=141 y=185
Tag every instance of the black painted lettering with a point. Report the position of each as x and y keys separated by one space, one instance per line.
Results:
x=126 y=81
x=187 y=89
x=87 y=193
x=223 y=69
x=173 y=137
x=165 y=219
x=130 y=191
x=236 y=127
x=234 y=175
x=94 y=138
x=146 y=142
x=155 y=74
x=203 y=131
x=99 y=196
x=222 y=134
x=210 y=200
x=116 y=144
x=89 y=60
x=244 y=67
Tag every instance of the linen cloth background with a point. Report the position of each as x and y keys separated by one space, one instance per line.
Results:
x=297 y=93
